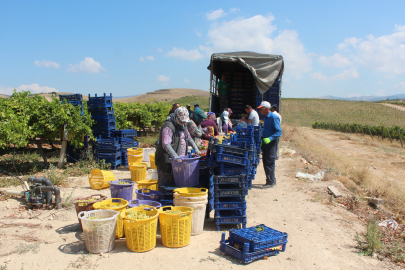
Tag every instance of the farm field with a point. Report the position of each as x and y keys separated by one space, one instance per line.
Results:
x=304 y=112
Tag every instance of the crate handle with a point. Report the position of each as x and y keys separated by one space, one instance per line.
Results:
x=134 y=201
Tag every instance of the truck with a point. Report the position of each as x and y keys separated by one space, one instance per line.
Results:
x=251 y=78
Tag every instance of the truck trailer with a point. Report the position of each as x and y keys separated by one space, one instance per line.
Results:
x=251 y=78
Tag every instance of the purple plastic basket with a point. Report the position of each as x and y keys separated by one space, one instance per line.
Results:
x=122 y=191
x=135 y=203
x=148 y=195
x=186 y=172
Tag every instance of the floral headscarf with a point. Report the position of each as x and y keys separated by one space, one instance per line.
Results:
x=211 y=116
x=230 y=111
x=180 y=117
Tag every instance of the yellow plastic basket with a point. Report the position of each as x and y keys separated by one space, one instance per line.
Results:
x=148 y=184
x=191 y=192
x=137 y=163
x=141 y=234
x=152 y=161
x=99 y=179
x=175 y=228
x=137 y=157
x=112 y=204
x=135 y=151
x=138 y=172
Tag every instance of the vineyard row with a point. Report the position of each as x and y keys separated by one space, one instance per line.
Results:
x=393 y=133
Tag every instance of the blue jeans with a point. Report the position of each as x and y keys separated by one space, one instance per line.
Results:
x=270 y=152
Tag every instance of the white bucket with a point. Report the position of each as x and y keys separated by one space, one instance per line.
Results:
x=177 y=196
x=152 y=174
x=146 y=152
x=198 y=216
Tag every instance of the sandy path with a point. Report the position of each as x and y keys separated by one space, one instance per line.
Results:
x=395 y=106
x=320 y=236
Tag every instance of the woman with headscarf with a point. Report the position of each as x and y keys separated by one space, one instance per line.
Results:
x=209 y=126
x=173 y=142
x=224 y=121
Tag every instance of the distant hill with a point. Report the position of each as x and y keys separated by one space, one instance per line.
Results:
x=366 y=98
x=165 y=95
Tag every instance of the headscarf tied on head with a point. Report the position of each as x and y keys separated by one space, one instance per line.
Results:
x=211 y=116
x=180 y=117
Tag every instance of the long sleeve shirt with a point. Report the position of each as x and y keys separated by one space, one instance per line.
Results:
x=272 y=128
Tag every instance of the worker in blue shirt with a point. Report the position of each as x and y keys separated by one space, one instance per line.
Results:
x=269 y=144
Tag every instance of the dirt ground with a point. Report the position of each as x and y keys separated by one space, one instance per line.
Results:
x=320 y=235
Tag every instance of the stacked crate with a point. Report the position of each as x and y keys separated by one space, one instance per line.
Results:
x=125 y=139
x=75 y=100
x=166 y=191
x=254 y=243
x=102 y=111
x=111 y=144
x=109 y=150
x=231 y=165
x=237 y=93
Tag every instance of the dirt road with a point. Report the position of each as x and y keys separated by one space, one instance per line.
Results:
x=320 y=236
x=395 y=106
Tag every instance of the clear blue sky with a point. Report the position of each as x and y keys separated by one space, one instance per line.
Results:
x=339 y=48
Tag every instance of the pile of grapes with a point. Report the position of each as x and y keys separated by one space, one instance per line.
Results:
x=85 y=202
x=137 y=215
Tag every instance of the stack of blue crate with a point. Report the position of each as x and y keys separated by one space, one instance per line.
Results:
x=74 y=154
x=109 y=150
x=102 y=111
x=249 y=137
x=75 y=100
x=125 y=138
x=232 y=164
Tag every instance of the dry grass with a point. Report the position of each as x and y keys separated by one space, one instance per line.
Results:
x=351 y=171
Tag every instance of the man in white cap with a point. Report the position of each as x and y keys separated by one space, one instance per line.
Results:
x=269 y=144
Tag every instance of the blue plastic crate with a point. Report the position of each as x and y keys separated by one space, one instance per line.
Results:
x=229 y=203
x=113 y=162
x=231 y=192
x=224 y=169
x=206 y=177
x=101 y=111
x=230 y=179
x=167 y=189
x=245 y=144
x=75 y=97
x=243 y=161
x=108 y=155
x=230 y=220
x=104 y=120
x=243 y=255
x=235 y=212
x=125 y=133
x=100 y=104
x=215 y=148
x=166 y=202
x=102 y=98
x=108 y=125
x=241 y=185
x=249 y=130
x=268 y=238
x=105 y=134
x=75 y=102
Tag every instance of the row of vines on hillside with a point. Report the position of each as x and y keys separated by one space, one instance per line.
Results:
x=140 y=116
x=394 y=132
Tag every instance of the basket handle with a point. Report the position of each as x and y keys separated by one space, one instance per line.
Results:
x=204 y=189
x=116 y=199
x=165 y=208
x=102 y=197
